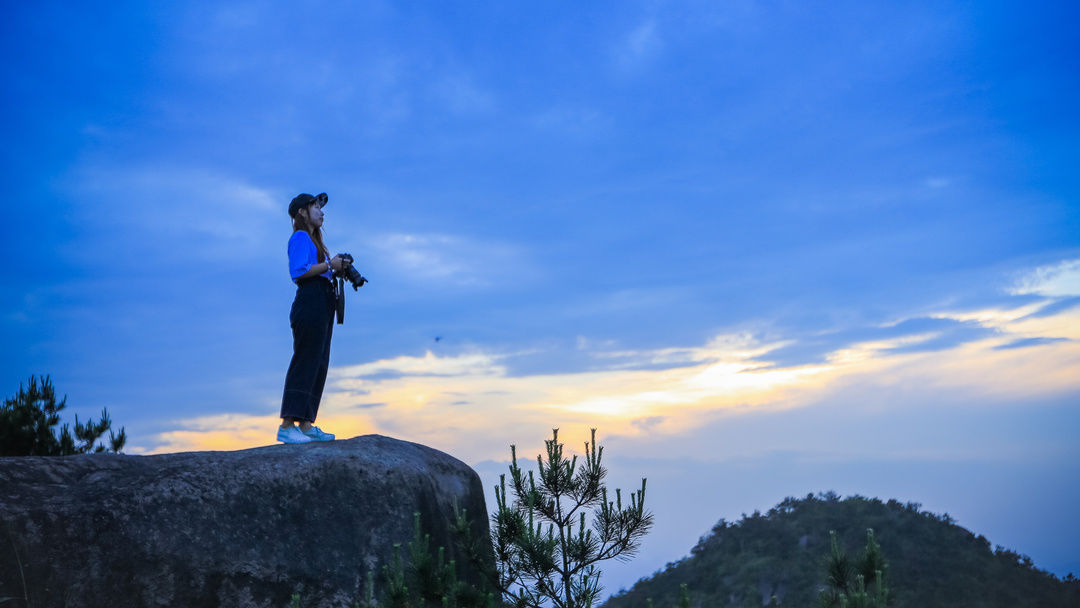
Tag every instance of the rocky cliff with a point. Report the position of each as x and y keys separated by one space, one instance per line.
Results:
x=243 y=528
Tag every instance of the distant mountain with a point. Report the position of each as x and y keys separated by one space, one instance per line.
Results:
x=782 y=553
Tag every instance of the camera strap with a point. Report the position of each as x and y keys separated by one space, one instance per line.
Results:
x=338 y=283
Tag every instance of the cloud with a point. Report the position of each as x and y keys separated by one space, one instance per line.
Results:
x=1026 y=342
x=1056 y=307
x=732 y=348
x=448 y=259
x=647 y=423
x=1055 y=280
x=473 y=364
x=908 y=335
x=147 y=211
x=658 y=300
x=463 y=96
x=639 y=46
x=978 y=358
x=731 y=375
x=643 y=39
x=364 y=406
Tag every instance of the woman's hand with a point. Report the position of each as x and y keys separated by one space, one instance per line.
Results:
x=335 y=263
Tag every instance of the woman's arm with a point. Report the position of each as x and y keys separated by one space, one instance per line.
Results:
x=301 y=253
x=315 y=270
x=321 y=268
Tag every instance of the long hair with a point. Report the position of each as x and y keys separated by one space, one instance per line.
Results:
x=301 y=222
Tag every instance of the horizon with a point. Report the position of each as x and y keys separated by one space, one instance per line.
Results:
x=765 y=250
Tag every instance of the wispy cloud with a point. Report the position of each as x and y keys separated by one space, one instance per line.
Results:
x=732 y=374
x=1026 y=342
x=448 y=259
x=463 y=95
x=472 y=364
x=639 y=46
x=147 y=210
x=908 y=335
x=1061 y=279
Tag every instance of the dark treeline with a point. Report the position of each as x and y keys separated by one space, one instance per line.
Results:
x=28 y=422
x=784 y=553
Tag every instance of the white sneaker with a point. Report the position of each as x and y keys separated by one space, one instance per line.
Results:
x=292 y=434
x=317 y=434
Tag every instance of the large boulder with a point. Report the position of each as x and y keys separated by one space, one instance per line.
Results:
x=244 y=528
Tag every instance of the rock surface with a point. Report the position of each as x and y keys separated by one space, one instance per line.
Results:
x=243 y=528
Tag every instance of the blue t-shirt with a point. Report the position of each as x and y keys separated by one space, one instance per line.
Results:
x=303 y=255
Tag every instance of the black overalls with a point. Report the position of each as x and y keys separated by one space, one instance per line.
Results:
x=312 y=320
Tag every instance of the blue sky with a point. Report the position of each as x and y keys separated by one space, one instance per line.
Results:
x=767 y=248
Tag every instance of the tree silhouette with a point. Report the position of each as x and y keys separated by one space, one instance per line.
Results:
x=28 y=418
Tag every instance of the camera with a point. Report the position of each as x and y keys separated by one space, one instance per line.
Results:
x=353 y=276
x=350 y=273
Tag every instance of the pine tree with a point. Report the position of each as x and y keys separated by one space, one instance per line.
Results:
x=427 y=579
x=846 y=582
x=28 y=418
x=557 y=565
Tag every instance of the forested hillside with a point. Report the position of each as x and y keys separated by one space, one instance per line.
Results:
x=782 y=553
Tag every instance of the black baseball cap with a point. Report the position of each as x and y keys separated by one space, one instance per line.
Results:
x=301 y=201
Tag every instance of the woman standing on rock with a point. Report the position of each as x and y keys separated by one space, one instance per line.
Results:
x=312 y=320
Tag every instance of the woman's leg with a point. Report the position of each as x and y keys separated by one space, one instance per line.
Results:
x=320 y=376
x=310 y=340
x=287 y=422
